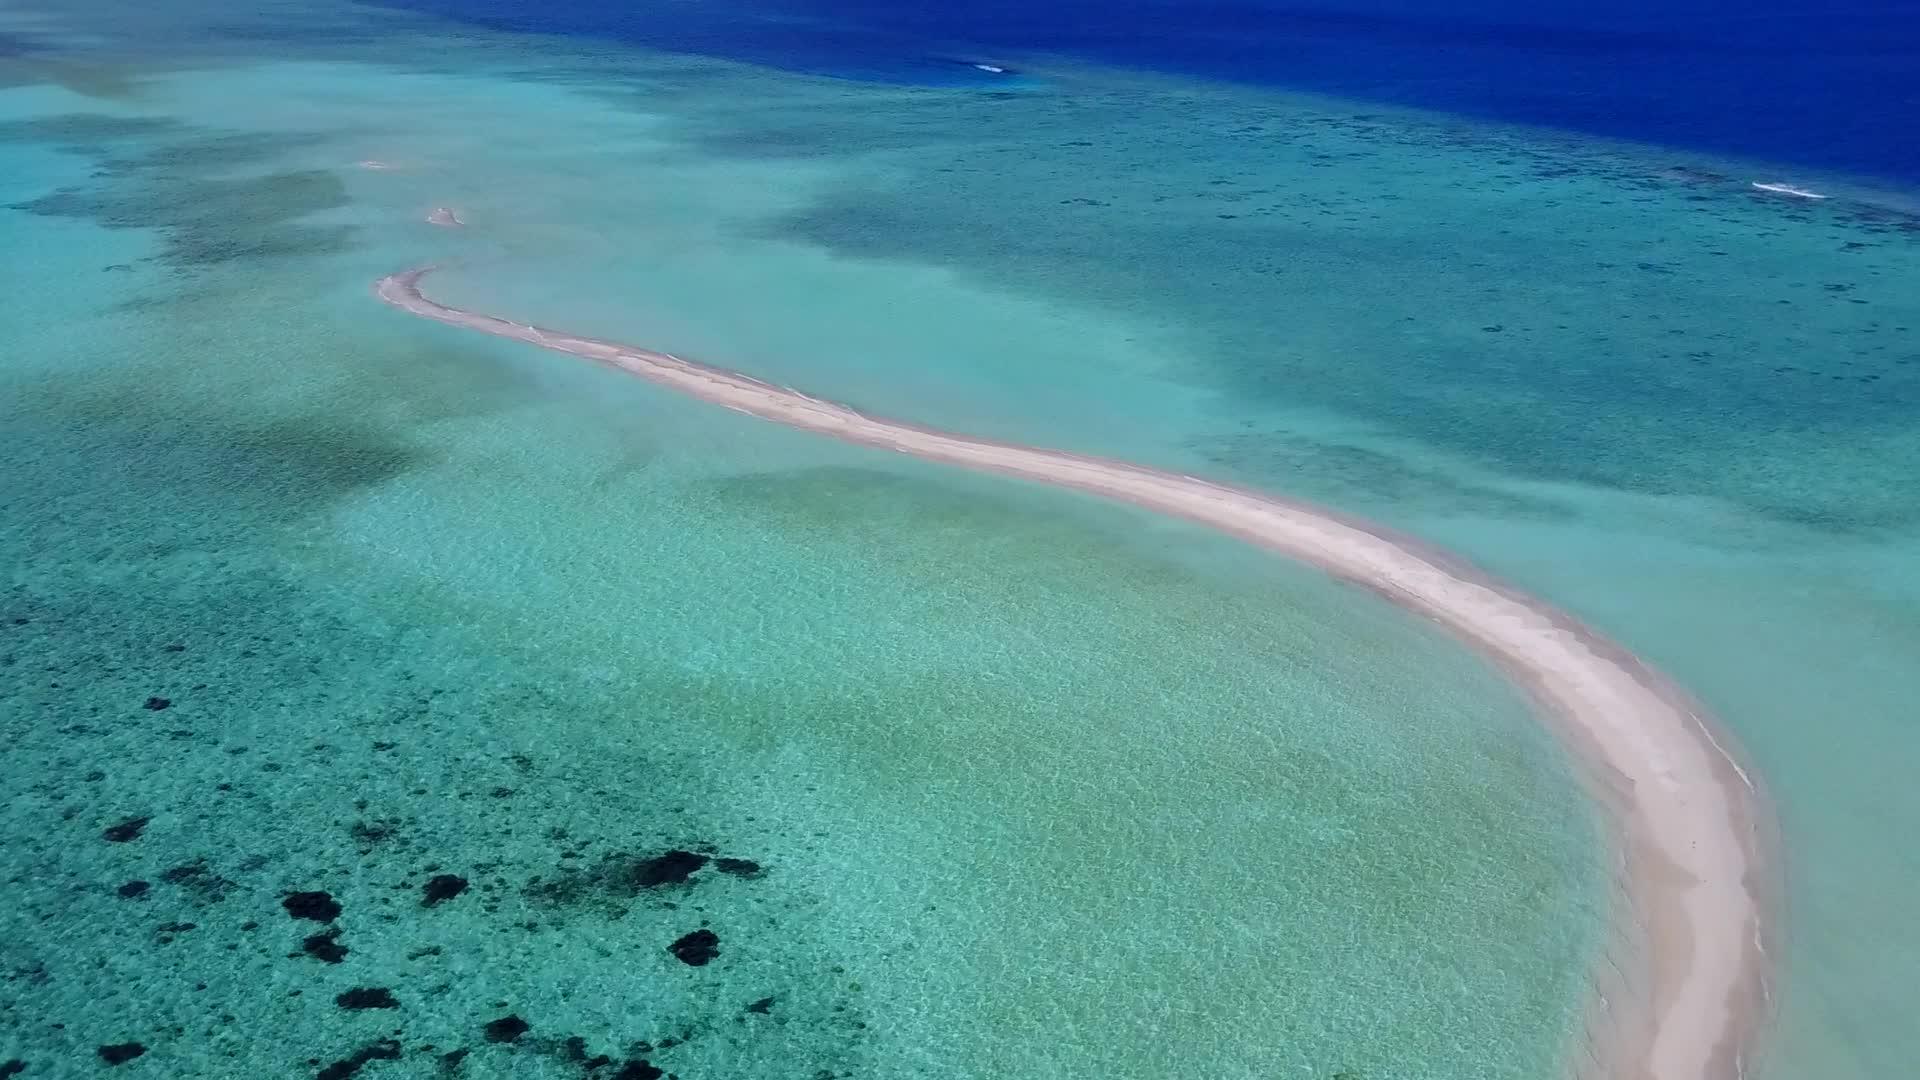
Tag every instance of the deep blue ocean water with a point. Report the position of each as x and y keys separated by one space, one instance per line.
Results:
x=1828 y=87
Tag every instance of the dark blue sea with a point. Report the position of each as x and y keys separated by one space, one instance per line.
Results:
x=1824 y=86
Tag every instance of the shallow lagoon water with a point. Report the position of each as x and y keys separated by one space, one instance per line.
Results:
x=1037 y=786
x=338 y=602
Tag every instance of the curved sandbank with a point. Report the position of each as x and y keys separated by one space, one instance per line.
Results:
x=1683 y=988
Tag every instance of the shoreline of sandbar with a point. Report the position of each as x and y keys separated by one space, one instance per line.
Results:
x=1691 y=987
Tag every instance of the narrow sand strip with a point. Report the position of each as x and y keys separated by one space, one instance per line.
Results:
x=1683 y=997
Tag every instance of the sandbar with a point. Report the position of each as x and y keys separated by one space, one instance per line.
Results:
x=1683 y=987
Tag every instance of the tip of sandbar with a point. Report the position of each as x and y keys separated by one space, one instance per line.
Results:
x=445 y=216
x=1787 y=189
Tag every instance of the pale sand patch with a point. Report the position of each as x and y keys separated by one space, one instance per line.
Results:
x=376 y=166
x=1681 y=997
x=445 y=215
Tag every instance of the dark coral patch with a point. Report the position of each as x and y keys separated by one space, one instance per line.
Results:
x=367 y=834
x=384 y=1050
x=325 y=946
x=672 y=868
x=639 y=1069
x=506 y=1029
x=120 y=1053
x=366 y=997
x=132 y=889
x=318 y=906
x=622 y=876
x=442 y=887
x=129 y=829
x=207 y=886
x=697 y=948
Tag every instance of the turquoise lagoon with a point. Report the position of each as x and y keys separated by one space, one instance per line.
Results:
x=1034 y=786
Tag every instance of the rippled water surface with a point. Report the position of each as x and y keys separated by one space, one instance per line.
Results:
x=720 y=750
